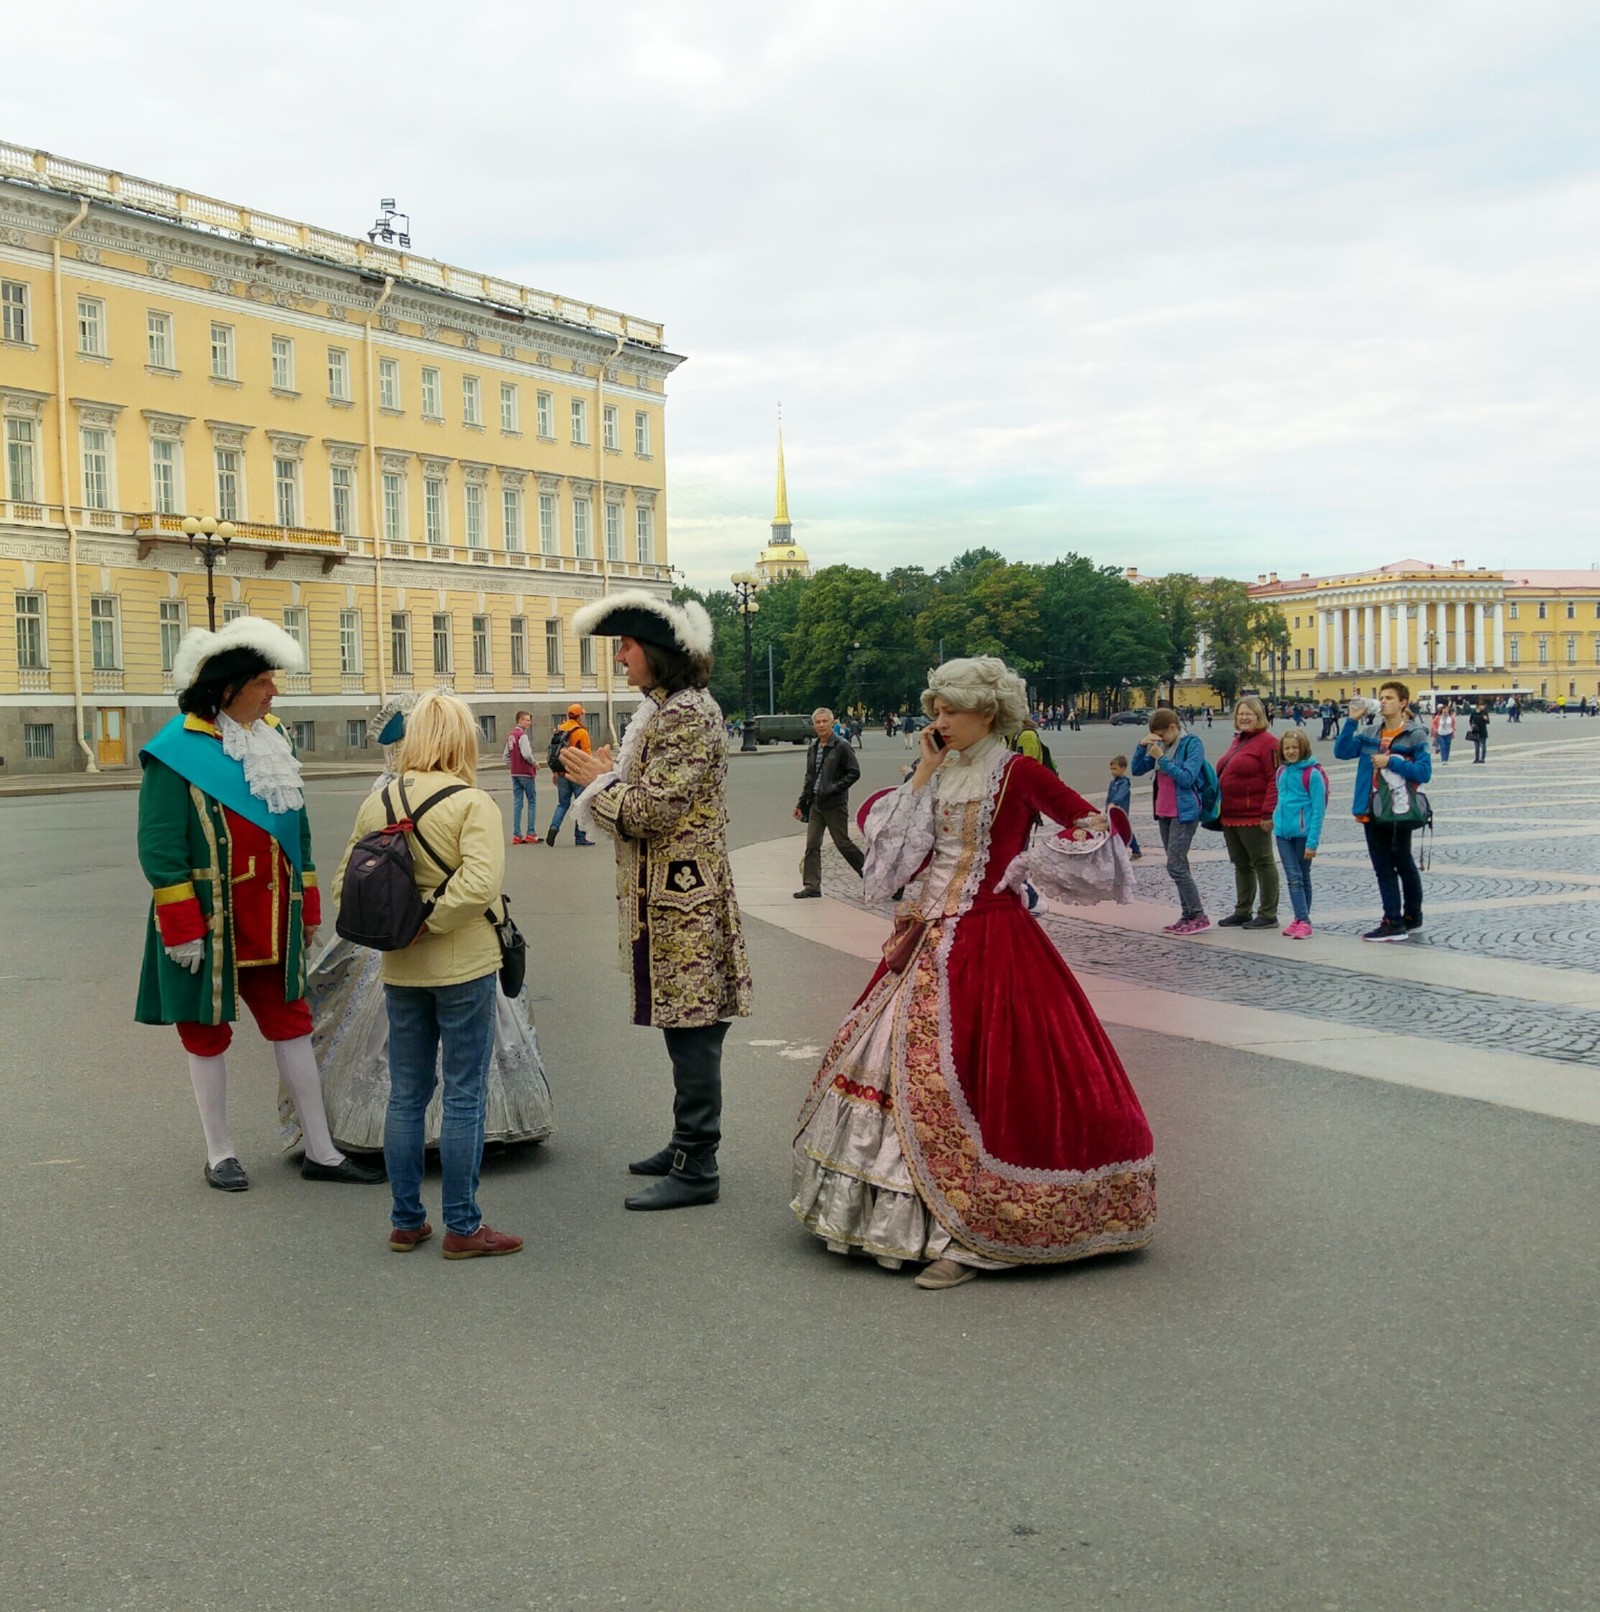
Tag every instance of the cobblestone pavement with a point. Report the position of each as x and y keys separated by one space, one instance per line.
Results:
x=1536 y=902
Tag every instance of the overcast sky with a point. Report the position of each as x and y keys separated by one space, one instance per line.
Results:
x=1226 y=287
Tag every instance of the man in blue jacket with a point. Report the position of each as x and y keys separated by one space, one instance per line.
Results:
x=1391 y=742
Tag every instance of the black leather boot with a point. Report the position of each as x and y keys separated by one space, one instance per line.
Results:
x=689 y=1175
x=690 y=1182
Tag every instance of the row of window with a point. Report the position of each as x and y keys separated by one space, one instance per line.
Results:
x=105 y=638
x=1545 y=606
x=167 y=497
x=161 y=353
x=1542 y=647
x=1542 y=607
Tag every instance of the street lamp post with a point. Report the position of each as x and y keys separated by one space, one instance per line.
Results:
x=745 y=584
x=210 y=537
x=1432 y=641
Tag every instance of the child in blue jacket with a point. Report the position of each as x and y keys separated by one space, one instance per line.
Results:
x=1297 y=823
x=1119 y=792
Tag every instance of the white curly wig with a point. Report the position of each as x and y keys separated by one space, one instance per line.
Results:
x=984 y=684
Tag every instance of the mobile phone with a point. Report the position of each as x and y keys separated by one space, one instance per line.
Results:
x=938 y=739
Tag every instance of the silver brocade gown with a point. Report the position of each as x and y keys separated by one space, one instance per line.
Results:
x=351 y=1038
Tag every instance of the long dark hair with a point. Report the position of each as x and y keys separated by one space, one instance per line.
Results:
x=207 y=697
x=671 y=669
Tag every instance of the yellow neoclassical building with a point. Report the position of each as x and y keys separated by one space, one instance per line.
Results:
x=1444 y=630
x=1449 y=629
x=427 y=468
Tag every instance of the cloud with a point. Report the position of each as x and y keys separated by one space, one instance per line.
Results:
x=1230 y=286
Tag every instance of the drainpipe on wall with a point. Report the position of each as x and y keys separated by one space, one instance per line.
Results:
x=374 y=504
x=600 y=509
x=91 y=765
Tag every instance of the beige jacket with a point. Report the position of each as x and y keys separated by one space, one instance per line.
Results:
x=467 y=830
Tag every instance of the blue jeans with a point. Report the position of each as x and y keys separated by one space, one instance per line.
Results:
x=422 y=1019
x=1296 y=874
x=1445 y=741
x=522 y=790
x=566 y=793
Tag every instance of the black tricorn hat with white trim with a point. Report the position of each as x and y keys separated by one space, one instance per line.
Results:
x=652 y=620
x=245 y=647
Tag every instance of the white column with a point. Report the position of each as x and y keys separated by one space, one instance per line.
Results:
x=1324 y=642
x=1461 y=634
x=1369 y=640
x=1479 y=659
x=1402 y=634
x=1384 y=663
x=1500 y=633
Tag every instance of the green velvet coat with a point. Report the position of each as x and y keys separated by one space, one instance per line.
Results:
x=186 y=852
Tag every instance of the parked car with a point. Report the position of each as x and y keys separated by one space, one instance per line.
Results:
x=784 y=729
x=1140 y=716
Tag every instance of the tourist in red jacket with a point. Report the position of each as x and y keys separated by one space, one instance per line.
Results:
x=1247 y=772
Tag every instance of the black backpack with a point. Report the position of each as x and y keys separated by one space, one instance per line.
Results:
x=379 y=906
x=559 y=740
x=1014 y=745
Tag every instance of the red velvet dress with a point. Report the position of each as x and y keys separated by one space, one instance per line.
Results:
x=973 y=1107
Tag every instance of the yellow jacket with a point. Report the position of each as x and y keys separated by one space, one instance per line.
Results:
x=458 y=943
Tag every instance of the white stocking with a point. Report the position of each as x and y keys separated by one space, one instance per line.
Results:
x=209 y=1076
x=297 y=1067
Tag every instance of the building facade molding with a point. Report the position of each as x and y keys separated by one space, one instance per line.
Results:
x=164 y=426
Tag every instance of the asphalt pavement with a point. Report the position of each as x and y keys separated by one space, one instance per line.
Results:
x=1354 y=1370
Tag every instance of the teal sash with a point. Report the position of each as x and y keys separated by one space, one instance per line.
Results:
x=200 y=759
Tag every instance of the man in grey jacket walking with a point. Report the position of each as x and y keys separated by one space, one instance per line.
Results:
x=831 y=768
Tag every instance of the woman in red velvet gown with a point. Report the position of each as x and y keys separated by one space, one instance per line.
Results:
x=972 y=1111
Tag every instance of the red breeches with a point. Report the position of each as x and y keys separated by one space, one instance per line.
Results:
x=261 y=990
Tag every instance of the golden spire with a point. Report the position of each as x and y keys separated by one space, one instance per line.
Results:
x=782 y=517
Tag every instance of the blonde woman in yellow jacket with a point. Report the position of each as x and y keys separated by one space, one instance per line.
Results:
x=440 y=990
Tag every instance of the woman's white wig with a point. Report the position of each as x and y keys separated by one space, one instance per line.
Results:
x=983 y=683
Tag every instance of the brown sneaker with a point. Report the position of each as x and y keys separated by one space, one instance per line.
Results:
x=485 y=1240
x=943 y=1273
x=402 y=1239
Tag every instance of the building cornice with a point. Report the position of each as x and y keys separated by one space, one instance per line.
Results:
x=267 y=273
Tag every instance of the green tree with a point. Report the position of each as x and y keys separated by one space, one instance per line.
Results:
x=1099 y=632
x=1177 y=598
x=1270 y=635
x=849 y=632
x=772 y=624
x=1227 y=620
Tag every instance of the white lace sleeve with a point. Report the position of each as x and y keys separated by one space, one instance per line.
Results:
x=899 y=832
x=1077 y=872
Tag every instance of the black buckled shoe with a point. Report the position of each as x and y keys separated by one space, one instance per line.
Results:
x=350 y=1170
x=690 y=1182
x=227 y=1176
x=657 y=1164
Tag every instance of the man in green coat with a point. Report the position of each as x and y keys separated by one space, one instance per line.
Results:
x=226 y=845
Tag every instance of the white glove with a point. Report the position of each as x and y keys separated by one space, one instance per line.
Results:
x=190 y=955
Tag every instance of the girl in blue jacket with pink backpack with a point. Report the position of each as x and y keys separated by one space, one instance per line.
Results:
x=1297 y=823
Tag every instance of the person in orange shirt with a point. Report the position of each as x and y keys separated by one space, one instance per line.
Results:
x=573 y=735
